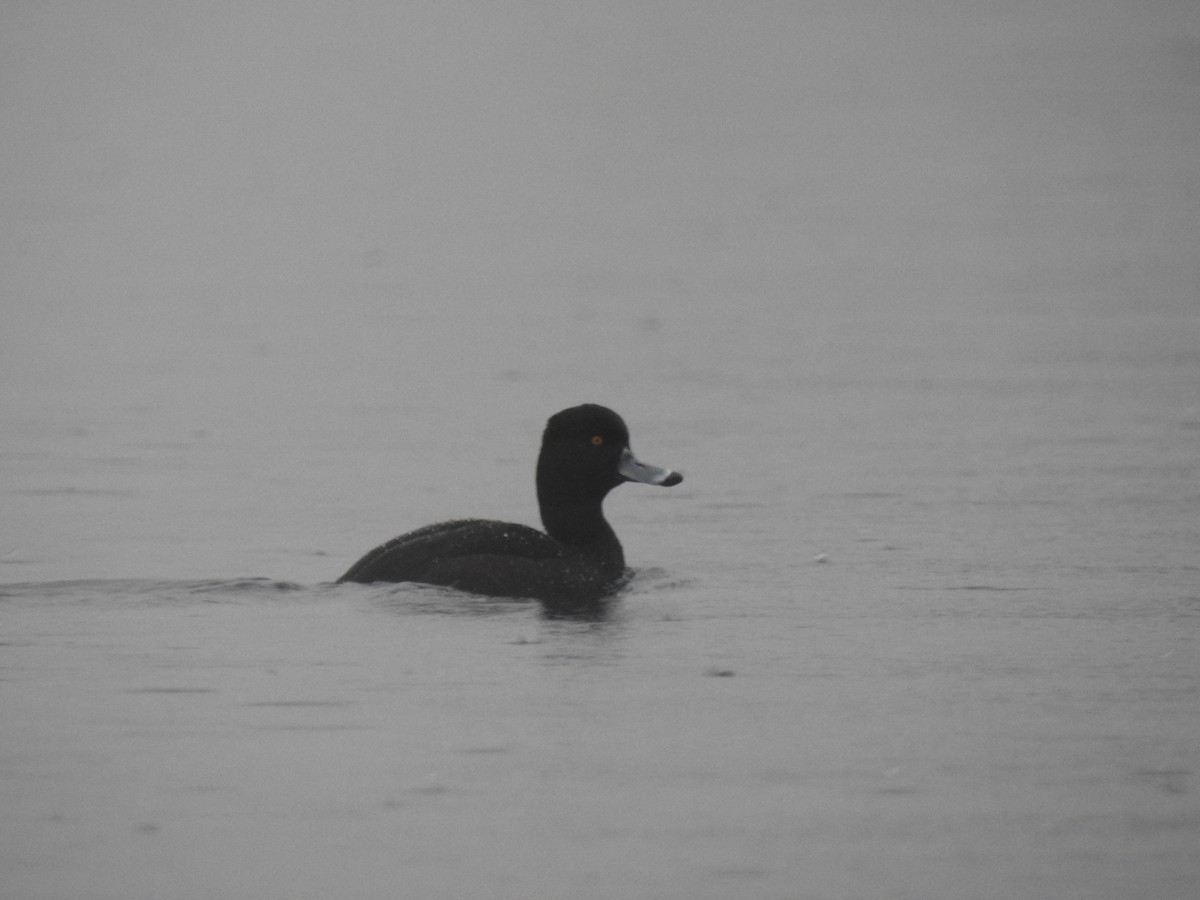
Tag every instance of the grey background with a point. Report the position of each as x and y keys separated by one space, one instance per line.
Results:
x=908 y=290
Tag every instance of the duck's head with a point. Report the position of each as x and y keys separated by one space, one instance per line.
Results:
x=585 y=454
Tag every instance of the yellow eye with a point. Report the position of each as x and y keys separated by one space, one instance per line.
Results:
x=597 y=440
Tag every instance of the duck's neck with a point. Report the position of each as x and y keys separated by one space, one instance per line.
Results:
x=579 y=525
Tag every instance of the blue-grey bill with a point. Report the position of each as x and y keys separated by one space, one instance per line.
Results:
x=630 y=469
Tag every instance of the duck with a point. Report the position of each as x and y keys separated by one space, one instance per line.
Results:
x=585 y=453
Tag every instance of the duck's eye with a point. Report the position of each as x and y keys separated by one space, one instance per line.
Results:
x=597 y=440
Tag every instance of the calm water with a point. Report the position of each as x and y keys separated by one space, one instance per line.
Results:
x=910 y=297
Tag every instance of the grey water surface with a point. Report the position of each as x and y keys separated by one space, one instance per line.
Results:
x=909 y=291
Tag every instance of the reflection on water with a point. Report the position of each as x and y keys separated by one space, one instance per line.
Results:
x=424 y=599
x=578 y=610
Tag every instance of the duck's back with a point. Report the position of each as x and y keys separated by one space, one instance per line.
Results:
x=405 y=558
x=489 y=557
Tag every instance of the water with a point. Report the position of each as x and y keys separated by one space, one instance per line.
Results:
x=909 y=294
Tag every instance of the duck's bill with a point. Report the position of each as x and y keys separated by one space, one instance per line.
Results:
x=631 y=470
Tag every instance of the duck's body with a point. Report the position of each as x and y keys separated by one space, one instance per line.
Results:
x=585 y=454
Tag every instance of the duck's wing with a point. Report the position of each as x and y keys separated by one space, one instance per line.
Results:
x=423 y=554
